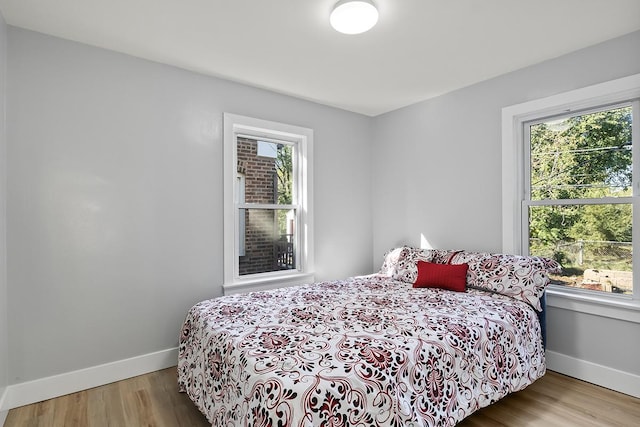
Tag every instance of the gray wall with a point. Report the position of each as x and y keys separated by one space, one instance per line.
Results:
x=114 y=198
x=4 y=345
x=438 y=173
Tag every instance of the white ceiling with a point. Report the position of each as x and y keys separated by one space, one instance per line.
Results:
x=418 y=50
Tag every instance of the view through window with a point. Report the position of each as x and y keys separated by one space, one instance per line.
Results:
x=579 y=197
x=267 y=205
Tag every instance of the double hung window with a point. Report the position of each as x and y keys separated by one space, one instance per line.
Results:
x=578 y=203
x=571 y=184
x=268 y=218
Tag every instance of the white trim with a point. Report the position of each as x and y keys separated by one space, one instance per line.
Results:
x=234 y=126
x=512 y=164
x=622 y=200
x=614 y=379
x=266 y=283
x=70 y=382
x=591 y=303
x=513 y=119
x=3 y=412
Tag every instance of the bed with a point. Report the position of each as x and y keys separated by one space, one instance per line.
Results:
x=376 y=350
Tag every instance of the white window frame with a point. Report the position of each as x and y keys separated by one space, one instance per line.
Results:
x=237 y=125
x=513 y=187
x=238 y=197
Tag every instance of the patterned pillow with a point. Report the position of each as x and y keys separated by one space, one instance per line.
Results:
x=402 y=263
x=520 y=277
x=392 y=259
x=399 y=264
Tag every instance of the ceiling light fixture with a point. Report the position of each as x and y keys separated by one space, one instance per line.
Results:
x=353 y=16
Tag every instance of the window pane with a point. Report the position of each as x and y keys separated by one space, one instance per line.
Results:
x=592 y=242
x=267 y=168
x=269 y=240
x=583 y=156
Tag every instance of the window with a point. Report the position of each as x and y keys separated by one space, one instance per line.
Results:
x=570 y=192
x=268 y=218
x=578 y=196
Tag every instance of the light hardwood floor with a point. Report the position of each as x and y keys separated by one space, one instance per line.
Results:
x=153 y=400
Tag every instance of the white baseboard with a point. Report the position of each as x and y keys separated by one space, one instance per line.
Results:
x=83 y=379
x=3 y=412
x=604 y=376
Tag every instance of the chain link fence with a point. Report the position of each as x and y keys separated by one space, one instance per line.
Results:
x=590 y=264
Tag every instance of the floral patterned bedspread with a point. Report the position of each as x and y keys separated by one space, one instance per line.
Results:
x=368 y=351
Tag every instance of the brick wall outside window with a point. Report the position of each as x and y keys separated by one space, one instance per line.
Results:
x=261 y=232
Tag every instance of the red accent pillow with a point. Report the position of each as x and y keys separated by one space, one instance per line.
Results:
x=446 y=276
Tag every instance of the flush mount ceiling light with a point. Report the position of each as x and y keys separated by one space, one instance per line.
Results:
x=353 y=16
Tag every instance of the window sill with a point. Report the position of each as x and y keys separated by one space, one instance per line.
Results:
x=269 y=282
x=616 y=308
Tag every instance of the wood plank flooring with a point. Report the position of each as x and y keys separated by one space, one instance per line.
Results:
x=153 y=400
x=148 y=400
